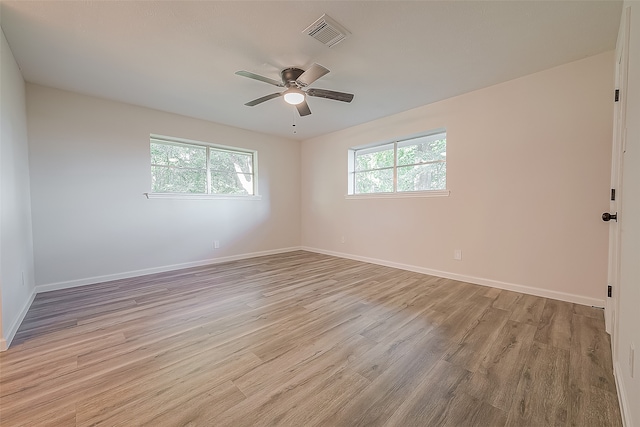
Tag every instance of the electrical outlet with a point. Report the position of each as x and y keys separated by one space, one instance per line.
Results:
x=457 y=254
x=343 y=239
x=216 y=244
x=632 y=357
x=23 y=282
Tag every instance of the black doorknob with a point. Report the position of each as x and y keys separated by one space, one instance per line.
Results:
x=607 y=216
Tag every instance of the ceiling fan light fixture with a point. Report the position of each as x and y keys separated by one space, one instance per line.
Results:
x=294 y=96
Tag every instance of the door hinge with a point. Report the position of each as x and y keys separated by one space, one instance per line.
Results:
x=613 y=194
x=609 y=290
x=617 y=95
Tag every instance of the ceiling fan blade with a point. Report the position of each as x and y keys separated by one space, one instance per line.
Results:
x=303 y=109
x=330 y=94
x=312 y=74
x=263 y=99
x=259 y=77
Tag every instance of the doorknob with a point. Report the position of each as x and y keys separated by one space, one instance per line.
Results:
x=607 y=216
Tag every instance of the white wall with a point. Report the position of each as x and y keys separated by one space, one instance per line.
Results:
x=16 y=243
x=628 y=321
x=90 y=168
x=529 y=172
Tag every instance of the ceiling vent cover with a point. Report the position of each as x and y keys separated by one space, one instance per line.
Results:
x=327 y=31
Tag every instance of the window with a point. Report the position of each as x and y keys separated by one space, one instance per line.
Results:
x=188 y=167
x=409 y=165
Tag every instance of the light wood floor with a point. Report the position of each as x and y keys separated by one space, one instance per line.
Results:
x=302 y=339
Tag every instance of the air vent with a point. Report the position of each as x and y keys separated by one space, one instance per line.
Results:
x=327 y=31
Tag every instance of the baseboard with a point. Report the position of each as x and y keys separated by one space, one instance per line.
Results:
x=5 y=342
x=128 y=274
x=622 y=396
x=545 y=293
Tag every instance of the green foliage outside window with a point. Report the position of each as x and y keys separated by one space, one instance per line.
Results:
x=420 y=166
x=178 y=168
x=183 y=168
x=231 y=173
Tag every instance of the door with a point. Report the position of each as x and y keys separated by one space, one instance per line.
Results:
x=617 y=164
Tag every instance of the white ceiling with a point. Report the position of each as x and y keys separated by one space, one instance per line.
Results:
x=181 y=56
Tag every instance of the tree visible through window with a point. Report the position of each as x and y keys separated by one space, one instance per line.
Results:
x=416 y=164
x=181 y=167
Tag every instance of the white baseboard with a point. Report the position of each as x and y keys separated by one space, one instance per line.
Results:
x=545 y=293
x=5 y=342
x=622 y=396
x=128 y=274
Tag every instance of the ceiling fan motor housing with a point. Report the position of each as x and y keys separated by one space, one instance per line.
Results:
x=290 y=75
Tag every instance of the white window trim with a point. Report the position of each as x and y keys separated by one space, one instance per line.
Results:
x=400 y=195
x=197 y=196
x=432 y=134
x=206 y=196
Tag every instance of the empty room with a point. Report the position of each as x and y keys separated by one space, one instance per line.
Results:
x=320 y=213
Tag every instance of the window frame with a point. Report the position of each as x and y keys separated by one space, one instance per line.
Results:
x=162 y=139
x=351 y=170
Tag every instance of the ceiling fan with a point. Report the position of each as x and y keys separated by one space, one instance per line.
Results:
x=296 y=80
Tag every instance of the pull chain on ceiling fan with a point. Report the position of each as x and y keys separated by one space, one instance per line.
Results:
x=295 y=81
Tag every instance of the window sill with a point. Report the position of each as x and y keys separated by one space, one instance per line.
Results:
x=199 y=196
x=401 y=195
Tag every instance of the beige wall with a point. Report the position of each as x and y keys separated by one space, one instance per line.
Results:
x=90 y=168
x=16 y=243
x=528 y=170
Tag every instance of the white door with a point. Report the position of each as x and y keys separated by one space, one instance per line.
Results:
x=617 y=164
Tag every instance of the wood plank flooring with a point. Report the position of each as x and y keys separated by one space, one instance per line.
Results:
x=302 y=339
